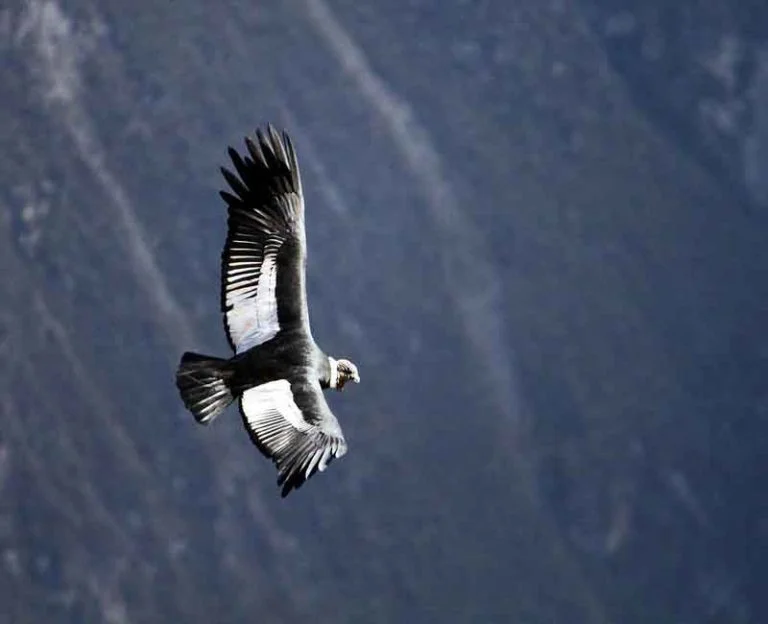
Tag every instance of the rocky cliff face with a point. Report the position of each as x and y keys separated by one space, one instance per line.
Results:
x=538 y=228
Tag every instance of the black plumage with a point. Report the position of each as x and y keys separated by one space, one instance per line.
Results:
x=278 y=372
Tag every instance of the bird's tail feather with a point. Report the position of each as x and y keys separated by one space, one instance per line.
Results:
x=203 y=382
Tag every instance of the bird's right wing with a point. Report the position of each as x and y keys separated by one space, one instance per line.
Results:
x=263 y=262
x=292 y=424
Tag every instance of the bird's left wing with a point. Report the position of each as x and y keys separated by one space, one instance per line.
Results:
x=292 y=424
x=263 y=262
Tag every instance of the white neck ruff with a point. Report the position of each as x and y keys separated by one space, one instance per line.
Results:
x=334 y=372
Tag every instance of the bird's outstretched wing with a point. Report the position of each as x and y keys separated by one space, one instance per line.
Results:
x=291 y=423
x=263 y=262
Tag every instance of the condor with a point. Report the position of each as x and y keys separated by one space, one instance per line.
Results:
x=278 y=372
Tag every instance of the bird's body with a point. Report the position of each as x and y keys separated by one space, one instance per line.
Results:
x=278 y=372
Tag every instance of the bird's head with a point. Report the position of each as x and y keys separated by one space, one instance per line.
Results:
x=343 y=371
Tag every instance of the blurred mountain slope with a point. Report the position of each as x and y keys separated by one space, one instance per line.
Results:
x=553 y=299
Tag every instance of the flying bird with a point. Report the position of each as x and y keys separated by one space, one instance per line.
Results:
x=278 y=372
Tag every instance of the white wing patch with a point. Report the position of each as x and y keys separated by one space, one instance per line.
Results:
x=253 y=320
x=275 y=396
x=280 y=431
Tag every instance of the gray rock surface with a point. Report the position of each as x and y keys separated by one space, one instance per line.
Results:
x=539 y=229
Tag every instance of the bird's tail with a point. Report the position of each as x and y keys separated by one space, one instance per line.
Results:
x=203 y=382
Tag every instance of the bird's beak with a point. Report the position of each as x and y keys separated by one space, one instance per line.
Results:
x=355 y=378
